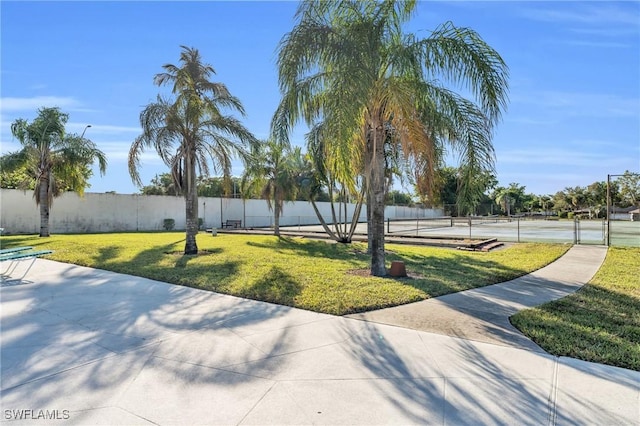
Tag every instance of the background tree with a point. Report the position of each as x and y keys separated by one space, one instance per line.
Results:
x=189 y=130
x=459 y=200
x=350 y=66
x=17 y=179
x=398 y=198
x=596 y=194
x=272 y=171
x=546 y=203
x=221 y=187
x=52 y=159
x=629 y=184
x=510 y=198
x=161 y=184
x=208 y=186
x=577 y=197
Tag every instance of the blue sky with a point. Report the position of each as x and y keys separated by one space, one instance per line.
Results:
x=573 y=116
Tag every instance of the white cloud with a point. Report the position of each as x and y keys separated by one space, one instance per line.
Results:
x=549 y=156
x=531 y=121
x=582 y=104
x=572 y=156
x=597 y=15
x=119 y=151
x=608 y=32
x=33 y=103
x=602 y=44
x=103 y=128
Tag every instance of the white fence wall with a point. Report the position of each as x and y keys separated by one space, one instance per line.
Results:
x=121 y=212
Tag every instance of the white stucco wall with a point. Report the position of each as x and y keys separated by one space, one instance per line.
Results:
x=121 y=212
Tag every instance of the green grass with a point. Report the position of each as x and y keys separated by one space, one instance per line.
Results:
x=308 y=274
x=600 y=322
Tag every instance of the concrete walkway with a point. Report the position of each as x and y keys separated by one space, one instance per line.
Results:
x=94 y=347
x=483 y=314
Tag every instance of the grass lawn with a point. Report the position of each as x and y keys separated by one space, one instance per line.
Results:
x=309 y=274
x=600 y=322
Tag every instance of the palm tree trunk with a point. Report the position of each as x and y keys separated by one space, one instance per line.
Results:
x=354 y=220
x=44 y=207
x=191 y=207
x=378 y=268
x=323 y=222
x=336 y=225
x=368 y=208
x=276 y=216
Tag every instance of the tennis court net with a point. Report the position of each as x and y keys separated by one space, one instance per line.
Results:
x=413 y=226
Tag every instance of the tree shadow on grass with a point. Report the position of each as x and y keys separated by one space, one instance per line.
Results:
x=106 y=254
x=17 y=241
x=313 y=249
x=437 y=276
x=276 y=286
x=182 y=260
x=594 y=324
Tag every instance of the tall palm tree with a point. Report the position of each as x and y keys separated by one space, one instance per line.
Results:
x=349 y=65
x=55 y=160
x=189 y=130
x=272 y=171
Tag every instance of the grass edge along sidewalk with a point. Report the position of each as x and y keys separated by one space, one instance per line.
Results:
x=600 y=322
x=308 y=274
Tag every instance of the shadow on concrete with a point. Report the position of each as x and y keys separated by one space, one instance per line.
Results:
x=90 y=334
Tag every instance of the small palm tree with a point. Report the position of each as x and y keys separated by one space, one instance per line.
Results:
x=272 y=171
x=349 y=65
x=316 y=175
x=54 y=160
x=189 y=130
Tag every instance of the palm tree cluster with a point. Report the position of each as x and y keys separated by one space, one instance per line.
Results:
x=273 y=171
x=366 y=89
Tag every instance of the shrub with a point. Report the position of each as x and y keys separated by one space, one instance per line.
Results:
x=570 y=215
x=168 y=224
x=563 y=215
x=200 y=223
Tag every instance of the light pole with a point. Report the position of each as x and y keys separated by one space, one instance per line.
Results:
x=85 y=129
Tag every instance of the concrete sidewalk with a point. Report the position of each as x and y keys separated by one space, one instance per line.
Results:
x=95 y=347
x=483 y=313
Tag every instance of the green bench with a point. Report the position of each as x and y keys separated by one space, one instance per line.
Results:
x=14 y=255
x=13 y=250
x=23 y=254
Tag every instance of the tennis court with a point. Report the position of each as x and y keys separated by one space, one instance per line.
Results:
x=623 y=233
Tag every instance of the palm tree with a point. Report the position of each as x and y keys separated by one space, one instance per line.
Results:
x=190 y=129
x=54 y=160
x=272 y=170
x=349 y=65
x=315 y=175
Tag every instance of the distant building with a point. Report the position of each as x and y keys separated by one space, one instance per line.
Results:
x=625 y=213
